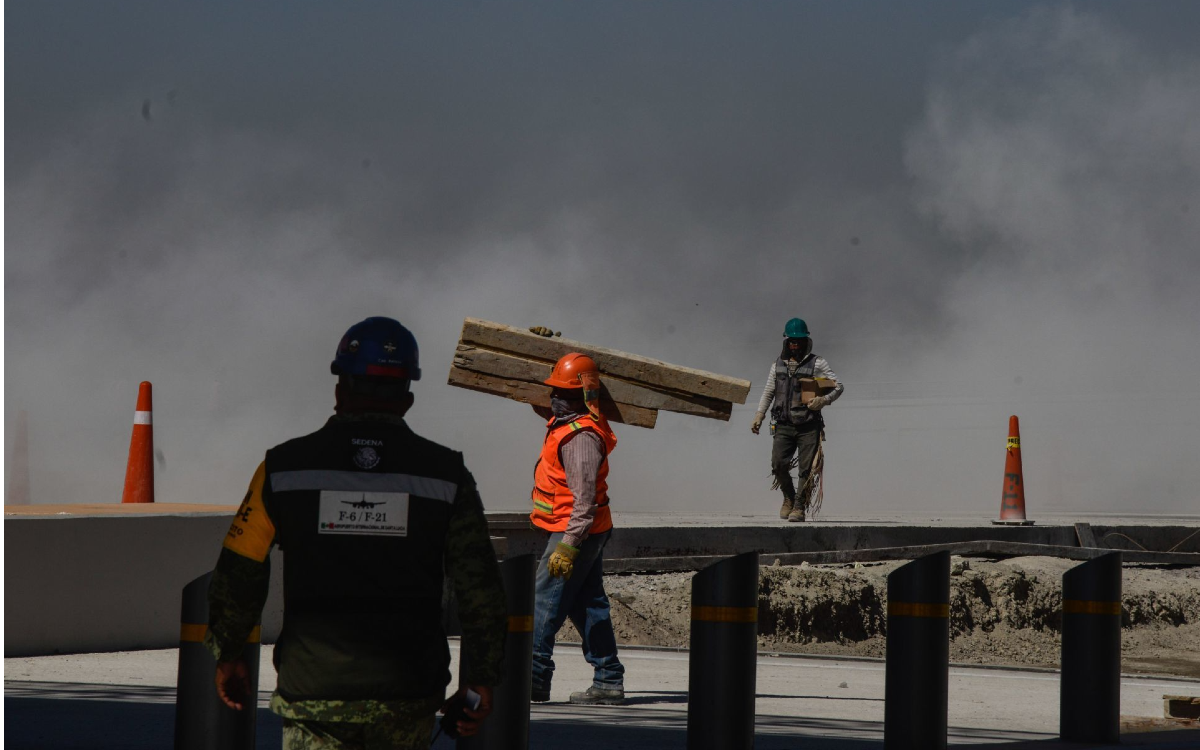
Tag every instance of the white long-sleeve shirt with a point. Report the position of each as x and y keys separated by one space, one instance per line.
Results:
x=821 y=369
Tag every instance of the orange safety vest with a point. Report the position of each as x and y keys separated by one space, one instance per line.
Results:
x=552 y=498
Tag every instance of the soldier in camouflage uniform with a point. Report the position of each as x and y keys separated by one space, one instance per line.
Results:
x=370 y=518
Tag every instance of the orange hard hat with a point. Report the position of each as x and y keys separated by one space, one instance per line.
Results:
x=567 y=371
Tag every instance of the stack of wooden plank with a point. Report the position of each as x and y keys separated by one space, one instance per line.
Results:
x=513 y=362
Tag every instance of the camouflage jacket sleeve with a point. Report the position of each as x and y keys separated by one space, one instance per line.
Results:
x=475 y=576
x=239 y=584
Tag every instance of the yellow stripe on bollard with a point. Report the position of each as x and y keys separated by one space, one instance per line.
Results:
x=520 y=623
x=917 y=609
x=190 y=632
x=1083 y=607
x=725 y=614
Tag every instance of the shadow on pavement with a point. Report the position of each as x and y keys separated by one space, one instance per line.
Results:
x=74 y=724
x=662 y=697
x=1186 y=739
x=58 y=716
x=653 y=697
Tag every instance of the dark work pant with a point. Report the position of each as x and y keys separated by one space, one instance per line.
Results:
x=786 y=441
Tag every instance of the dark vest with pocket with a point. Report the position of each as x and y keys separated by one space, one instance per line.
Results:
x=789 y=408
x=361 y=511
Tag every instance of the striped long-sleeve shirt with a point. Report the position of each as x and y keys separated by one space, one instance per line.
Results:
x=822 y=370
x=582 y=454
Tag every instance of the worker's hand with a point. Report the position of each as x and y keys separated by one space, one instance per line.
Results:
x=233 y=683
x=562 y=561
x=756 y=424
x=818 y=403
x=544 y=331
x=470 y=725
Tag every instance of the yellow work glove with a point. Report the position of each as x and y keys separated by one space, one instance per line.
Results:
x=544 y=331
x=754 y=427
x=817 y=403
x=562 y=561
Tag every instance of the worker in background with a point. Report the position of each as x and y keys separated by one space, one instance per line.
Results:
x=570 y=503
x=369 y=517
x=796 y=423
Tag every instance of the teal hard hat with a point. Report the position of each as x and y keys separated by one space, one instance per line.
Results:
x=796 y=329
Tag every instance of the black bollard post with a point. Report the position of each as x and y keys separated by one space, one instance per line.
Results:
x=724 y=655
x=1090 y=688
x=507 y=728
x=202 y=721
x=917 y=668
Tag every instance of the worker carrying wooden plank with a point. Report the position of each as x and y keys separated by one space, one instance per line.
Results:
x=579 y=388
x=800 y=384
x=570 y=507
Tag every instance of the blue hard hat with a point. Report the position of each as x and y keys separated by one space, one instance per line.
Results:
x=378 y=347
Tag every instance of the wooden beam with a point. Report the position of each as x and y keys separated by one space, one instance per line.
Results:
x=1083 y=532
x=981 y=548
x=539 y=395
x=681 y=380
x=511 y=367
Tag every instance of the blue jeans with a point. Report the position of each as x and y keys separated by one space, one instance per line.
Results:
x=581 y=598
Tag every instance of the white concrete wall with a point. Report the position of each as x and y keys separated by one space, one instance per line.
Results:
x=112 y=582
x=109 y=583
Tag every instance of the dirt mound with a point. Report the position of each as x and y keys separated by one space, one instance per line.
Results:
x=1001 y=612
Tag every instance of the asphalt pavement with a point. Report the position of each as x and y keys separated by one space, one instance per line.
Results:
x=126 y=700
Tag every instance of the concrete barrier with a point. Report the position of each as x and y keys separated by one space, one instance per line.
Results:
x=106 y=577
x=649 y=535
x=111 y=582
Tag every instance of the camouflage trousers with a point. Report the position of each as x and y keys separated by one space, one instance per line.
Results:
x=339 y=725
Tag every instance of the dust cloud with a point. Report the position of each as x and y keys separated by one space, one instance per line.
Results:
x=1003 y=225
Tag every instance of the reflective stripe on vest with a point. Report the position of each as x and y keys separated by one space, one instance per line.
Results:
x=358 y=481
x=362 y=604
x=552 y=497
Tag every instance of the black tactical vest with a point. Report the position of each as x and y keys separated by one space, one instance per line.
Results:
x=788 y=407
x=361 y=510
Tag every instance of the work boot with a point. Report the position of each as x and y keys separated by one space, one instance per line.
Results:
x=786 y=509
x=797 y=513
x=600 y=696
x=539 y=695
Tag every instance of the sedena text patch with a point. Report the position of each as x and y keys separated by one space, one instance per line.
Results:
x=364 y=513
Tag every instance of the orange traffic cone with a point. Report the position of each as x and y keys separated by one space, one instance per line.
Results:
x=139 y=474
x=1012 y=502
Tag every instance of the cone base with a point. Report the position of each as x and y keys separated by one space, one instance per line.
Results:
x=1013 y=522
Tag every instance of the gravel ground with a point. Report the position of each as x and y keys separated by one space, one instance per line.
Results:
x=1001 y=612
